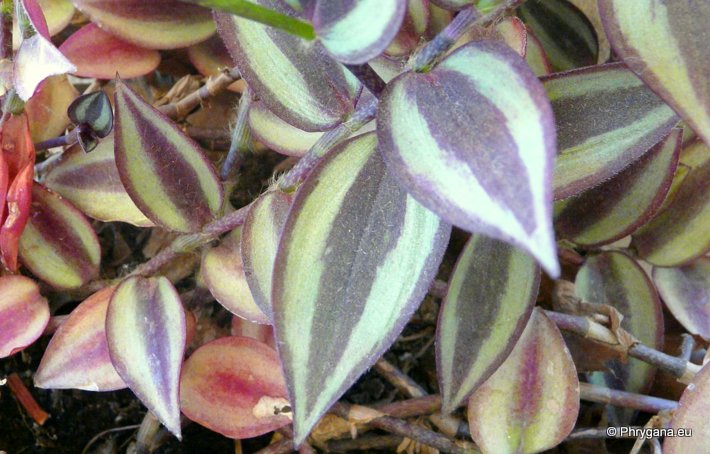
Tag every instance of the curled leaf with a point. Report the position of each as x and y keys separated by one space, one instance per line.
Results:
x=164 y=171
x=58 y=244
x=36 y=60
x=484 y=165
x=77 y=356
x=371 y=252
x=24 y=314
x=234 y=386
x=145 y=329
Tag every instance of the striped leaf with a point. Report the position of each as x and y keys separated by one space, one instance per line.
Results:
x=354 y=32
x=686 y=292
x=24 y=314
x=223 y=272
x=665 y=44
x=356 y=257
x=692 y=417
x=163 y=170
x=77 y=356
x=300 y=83
x=260 y=240
x=99 y=54
x=145 y=329
x=530 y=403
x=680 y=233
x=620 y=205
x=58 y=244
x=590 y=9
x=47 y=109
x=234 y=386
x=536 y=57
x=567 y=36
x=606 y=119
x=484 y=165
x=453 y=5
x=615 y=279
x=414 y=26
x=278 y=135
x=93 y=110
x=491 y=295
x=157 y=24
x=36 y=60
x=91 y=182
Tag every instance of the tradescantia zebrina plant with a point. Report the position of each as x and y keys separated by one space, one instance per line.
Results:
x=487 y=204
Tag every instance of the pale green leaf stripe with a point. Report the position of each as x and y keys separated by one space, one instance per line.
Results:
x=91 y=182
x=664 y=42
x=296 y=294
x=447 y=174
x=489 y=300
x=594 y=152
x=140 y=309
x=277 y=134
x=363 y=32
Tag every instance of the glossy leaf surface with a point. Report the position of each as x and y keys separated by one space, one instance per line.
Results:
x=370 y=251
x=615 y=279
x=155 y=24
x=93 y=109
x=299 y=82
x=680 y=233
x=58 y=244
x=145 y=328
x=662 y=43
x=617 y=207
x=606 y=119
x=223 y=272
x=355 y=32
x=686 y=292
x=449 y=155
x=77 y=356
x=91 y=182
x=163 y=170
x=99 y=54
x=234 y=386
x=24 y=314
x=490 y=297
x=259 y=243
x=530 y=403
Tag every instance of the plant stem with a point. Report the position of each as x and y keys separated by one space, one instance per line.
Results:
x=66 y=140
x=209 y=89
x=464 y=20
x=241 y=136
x=6 y=11
x=683 y=370
x=601 y=394
x=405 y=429
x=24 y=397
x=377 y=442
x=258 y=13
x=362 y=115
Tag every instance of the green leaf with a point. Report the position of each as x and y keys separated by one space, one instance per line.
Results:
x=356 y=257
x=490 y=297
x=164 y=171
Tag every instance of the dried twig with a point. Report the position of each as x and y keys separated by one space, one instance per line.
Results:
x=25 y=399
x=213 y=87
